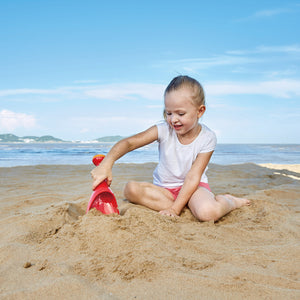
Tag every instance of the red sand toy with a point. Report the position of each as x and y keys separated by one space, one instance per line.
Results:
x=103 y=198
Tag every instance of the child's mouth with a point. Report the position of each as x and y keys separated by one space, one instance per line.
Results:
x=177 y=127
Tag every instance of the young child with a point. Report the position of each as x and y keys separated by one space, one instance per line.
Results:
x=185 y=148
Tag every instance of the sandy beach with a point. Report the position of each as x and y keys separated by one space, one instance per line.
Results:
x=51 y=249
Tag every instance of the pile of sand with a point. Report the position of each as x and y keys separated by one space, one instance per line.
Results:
x=51 y=249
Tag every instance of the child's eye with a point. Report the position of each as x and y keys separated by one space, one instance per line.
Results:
x=181 y=114
x=168 y=113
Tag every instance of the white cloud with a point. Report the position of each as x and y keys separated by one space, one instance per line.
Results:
x=270 y=12
x=10 y=120
x=262 y=57
x=127 y=91
x=287 y=49
x=284 y=88
x=195 y=64
x=122 y=91
x=14 y=92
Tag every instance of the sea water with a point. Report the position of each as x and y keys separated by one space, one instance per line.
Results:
x=24 y=154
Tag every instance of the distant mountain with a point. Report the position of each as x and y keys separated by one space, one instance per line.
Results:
x=114 y=138
x=11 y=138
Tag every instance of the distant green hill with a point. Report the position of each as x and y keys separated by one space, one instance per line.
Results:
x=11 y=138
x=114 y=138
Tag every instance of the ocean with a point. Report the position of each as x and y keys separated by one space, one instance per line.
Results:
x=26 y=154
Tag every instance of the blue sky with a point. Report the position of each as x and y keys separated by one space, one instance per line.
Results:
x=79 y=70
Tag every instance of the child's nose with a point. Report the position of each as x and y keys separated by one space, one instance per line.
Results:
x=174 y=119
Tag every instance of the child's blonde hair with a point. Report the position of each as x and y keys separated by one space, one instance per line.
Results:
x=197 y=95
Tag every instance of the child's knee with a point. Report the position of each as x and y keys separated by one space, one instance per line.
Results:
x=130 y=189
x=209 y=213
x=208 y=216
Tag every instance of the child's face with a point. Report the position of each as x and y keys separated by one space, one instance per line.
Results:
x=181 y=113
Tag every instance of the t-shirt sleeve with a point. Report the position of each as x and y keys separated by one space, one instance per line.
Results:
x=210 y=142
x=163 y=131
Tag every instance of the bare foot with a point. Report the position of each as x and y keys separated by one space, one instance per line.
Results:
x=238 y=202
x=169 y=212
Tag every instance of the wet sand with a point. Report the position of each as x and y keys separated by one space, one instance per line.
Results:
x=51 y=249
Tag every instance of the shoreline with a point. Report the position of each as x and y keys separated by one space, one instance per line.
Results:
x=290 y=167
x=294 y=167
x=279 y=167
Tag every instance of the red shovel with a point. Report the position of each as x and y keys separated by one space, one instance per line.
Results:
x=103 y=198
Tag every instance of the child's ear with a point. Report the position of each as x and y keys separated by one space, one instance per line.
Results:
x=201 y=110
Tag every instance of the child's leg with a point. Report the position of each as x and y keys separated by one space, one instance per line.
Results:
x=205 y=206
x=148 y=194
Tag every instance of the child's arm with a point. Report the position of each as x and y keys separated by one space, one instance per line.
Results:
x=104 y=170
x=190 y=184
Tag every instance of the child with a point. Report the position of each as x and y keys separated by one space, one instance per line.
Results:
x=185 y=148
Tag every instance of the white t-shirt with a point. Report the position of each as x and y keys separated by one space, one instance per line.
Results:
x=176 y=159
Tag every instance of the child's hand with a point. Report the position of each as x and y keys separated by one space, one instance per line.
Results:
x=99 y=174
x=169 y=212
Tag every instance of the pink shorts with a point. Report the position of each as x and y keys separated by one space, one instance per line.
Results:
x=175 y=191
